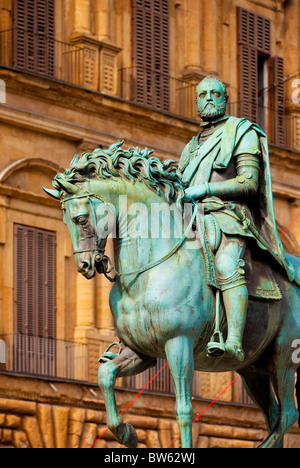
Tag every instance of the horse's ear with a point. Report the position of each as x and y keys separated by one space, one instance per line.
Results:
x=52 y=193
x=67 y=186
x=75 y=160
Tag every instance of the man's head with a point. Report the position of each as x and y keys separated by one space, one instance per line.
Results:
x=211 y=98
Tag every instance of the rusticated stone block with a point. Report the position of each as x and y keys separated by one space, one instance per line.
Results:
x=20 y=440
x=141 y=434
x=105 y=433
x=175 y=435
x=12 y=421
x=165 y=433
x=152 y=439
x=88 y=435
x=75 y=428
x=73 y=441
x=77 y=414
x=32 y=431
x=100 y=444
x=215 y=442
x=114 y=445
x=95 y=417
x=44 y=416
x=203 y=442
x=17 y=406
x=144 y=422
x=7 y=435
x=60 y=424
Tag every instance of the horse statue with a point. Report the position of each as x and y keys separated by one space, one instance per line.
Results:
x=162 y=304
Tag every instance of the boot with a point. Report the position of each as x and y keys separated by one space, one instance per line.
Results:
x=236 y=304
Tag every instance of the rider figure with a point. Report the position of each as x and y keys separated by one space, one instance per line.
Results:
x=225 y=163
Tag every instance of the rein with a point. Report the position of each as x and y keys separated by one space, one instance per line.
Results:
x=100 y=252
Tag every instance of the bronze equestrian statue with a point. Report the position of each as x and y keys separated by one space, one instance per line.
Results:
x=222 y=296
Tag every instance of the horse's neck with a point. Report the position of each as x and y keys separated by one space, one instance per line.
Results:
x=147 y=230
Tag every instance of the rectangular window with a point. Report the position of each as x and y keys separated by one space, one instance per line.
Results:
x=35 y=300
x=151 y=53
x=261 y=91
x=34 y=36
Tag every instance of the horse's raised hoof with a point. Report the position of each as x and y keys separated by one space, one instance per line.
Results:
x=235 y=351
x=130 y=437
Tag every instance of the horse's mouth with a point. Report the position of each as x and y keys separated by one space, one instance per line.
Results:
x=101 y=265
x=89 y=274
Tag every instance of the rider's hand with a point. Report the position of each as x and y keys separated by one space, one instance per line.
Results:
x=195 y=193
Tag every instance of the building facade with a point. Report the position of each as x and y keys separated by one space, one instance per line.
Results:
x=81 y=74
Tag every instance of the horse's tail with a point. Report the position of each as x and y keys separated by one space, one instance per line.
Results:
x=298 y=392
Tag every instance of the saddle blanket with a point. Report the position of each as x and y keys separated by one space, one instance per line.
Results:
x=261 y=282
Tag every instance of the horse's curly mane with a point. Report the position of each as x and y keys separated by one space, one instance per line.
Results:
x=133 y=165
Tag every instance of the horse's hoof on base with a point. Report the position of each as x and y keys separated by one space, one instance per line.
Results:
x=131 y=439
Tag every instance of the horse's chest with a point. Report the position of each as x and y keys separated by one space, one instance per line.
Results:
x=147 y=326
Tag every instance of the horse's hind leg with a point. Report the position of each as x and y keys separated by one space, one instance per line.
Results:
x=128 y=363
x=180 y=358
x=283 y=380
x=258 y=387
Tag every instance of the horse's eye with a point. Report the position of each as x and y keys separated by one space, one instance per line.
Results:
x=82 y=220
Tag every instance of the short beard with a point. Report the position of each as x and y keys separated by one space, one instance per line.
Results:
x=213 y=114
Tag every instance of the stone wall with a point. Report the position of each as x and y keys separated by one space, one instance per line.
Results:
x=39 y=414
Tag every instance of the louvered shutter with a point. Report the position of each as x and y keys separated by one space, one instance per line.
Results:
x=35 y=300
x=248 y=83
x=263 y=35
x=277 y=105
x=34 y=36
x=151 y=53
x=254 y=33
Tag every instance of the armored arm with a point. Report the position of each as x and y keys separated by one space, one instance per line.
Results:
x=244 y=185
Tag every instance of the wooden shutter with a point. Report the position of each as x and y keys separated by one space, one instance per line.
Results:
x=248 y=83
x=35 y=299
x=277 y=102
x=263 y=35
x=34 y=36
x=254 y=37
x=151 y=53
x=254 y=31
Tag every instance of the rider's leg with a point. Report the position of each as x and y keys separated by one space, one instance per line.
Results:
x=231 y=276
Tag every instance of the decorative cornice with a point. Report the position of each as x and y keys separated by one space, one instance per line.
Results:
x=25 y=196
x=284 y=158
x=286 y=191
x=78 y=99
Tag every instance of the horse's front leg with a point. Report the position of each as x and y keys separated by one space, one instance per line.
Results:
x=180 y=357
x=128 y=363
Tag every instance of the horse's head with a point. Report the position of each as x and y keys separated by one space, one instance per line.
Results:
x=88 y=229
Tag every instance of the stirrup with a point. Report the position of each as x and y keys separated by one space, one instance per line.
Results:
x=216 y=348
x=108 y=355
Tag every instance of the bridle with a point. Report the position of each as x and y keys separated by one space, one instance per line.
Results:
x=100 y=251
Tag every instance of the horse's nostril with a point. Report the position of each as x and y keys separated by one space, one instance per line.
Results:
x=86 y=265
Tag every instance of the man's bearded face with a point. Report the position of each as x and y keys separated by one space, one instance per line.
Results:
x=211 y=100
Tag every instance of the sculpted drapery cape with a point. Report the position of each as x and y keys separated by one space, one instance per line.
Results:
x=198 y=162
